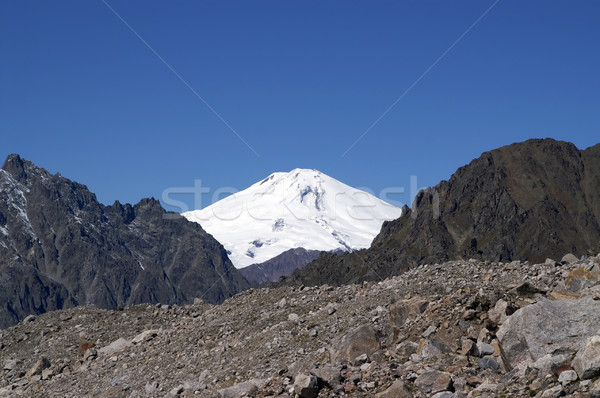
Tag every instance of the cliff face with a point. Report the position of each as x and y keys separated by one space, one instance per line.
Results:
x=526 y=201
x=60 y=247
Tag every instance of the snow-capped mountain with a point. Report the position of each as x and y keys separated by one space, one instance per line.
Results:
x=303 y=208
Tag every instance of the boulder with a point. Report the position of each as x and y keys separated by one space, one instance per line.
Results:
x=10 y=364
x=396 y=390
x=403 y=310
x=485 y=349
x=362 y=340
x=554 y=392
x=330 y=375
x=431 y=347
x=545 y=364
x=587 y=360
x=434 y=381
x=568 y=259
x=405 y=349
x=548 y=327
x=38 y=367
x=116 y=346
x=239 y=390
x=497 y=315
x=582 y=278
x=306 y=386
x=488 y=362
x=145 y=336
x=568 y=376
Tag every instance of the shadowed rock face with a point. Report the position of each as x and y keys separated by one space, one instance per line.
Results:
x=60 y=247
x=281 y=265
x=526 y=201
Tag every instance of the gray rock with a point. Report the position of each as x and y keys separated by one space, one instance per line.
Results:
x=566 y=326
x=361 y=359
x=497 y=315
x=547 y=362
x=29 y=318
x=239 y=390
x=10 y=364
x=443 y=394
x=554 y=392
x=362 y=340
x=550 y=262
x=329 y=374
x=116 y=346
x=431 y=348
x=405 y=349
x=469 y=347
x=293 y=318
x=176 y=391
x=38 y=367
x=430 y=330
x=587 y=360
x=595 y=389
x=306 y=386
x=90 y=354
x=485 y=349
x=145 y=336
x=488 y=363
x=569 y=258
x=568 y=376
x=434 y=381
x=396 y=390
x=403 y=310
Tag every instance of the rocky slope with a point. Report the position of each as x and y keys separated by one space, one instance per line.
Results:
x=530 y=200
x=281 y=265
x=459 y=329
x=60 y=247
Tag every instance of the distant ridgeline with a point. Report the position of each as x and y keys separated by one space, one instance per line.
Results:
x=526 y=201
x=60 y=247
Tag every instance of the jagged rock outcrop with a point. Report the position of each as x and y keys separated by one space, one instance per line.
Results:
x=526 y=201
x=60 y=247
x=281 y=265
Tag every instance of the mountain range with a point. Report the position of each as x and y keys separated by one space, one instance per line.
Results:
x=60 y=247
x=525 y=201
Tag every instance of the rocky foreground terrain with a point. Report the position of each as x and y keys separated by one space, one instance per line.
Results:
x=459 y=329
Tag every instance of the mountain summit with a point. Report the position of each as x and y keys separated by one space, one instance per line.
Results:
x=302 y=208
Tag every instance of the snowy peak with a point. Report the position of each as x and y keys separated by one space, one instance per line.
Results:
x=301 y=208
x=303 y=185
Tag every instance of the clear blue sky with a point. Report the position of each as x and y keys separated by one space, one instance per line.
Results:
x=80 y=94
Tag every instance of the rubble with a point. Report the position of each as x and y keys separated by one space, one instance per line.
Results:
x=458 y=329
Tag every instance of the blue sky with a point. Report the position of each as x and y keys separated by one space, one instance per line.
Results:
x=300 y=82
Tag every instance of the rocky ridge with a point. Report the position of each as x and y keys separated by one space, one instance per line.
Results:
x=526 y=201
x=458 y=329
x=60 y=247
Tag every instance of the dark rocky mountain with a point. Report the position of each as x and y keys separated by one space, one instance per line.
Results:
x=60 y=247
x=281 y=265
x=526 y=201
